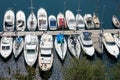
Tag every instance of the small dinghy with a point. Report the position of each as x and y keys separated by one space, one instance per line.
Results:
x=74 y=45
x=18 y=46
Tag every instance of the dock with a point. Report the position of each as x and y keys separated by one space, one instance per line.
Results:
x=96 y=37
x=66 y=32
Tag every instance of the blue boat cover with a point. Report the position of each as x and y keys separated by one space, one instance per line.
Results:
x=19 y=39
x=60 y=38
x=53 y=23
x=86 y=33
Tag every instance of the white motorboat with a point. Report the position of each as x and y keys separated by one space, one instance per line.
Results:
x=18 y=46
x=8 y=22
x=20 y=21
x=46 y=52
x=32 y=22
x=61 y=46
x=88 y=19
x=86 y=43
x=52 y=22
x=6 y=46
x=117 y=39
x=74 y=45
x=96 y=21
x=115 y=21
x=70 y=19
x=80 y=22
x=31 y=49
x=42 y=19
x=110 y=45
x=61 y=21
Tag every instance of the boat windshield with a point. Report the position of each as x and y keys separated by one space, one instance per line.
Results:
x=5 y=47
x=88 y=38
x=21 y=22
x=80 y=22
x=8 y=24
x=45 y=55
x=90 y=45
x=110 y=43
x=30 y=51
x=71 y=21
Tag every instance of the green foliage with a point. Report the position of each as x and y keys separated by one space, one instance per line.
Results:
x=30 y=76
x=115 y=70
x=83 y=69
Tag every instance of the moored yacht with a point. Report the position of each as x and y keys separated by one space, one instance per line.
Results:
x=70 y=19
x=80 y=22
x=52 y=22
x=46 y=52
x=32 y=22
x=61 y=21
x=117 y=39
x=86 y=43
x=18 y=46
x=6 y=46
x=31 y=49
x=96 y=21
x=42 y=19
x=61 y=46
x=8 y=22
x=20 y=21
x=115 y=21
x=74 y=45
x=110 y=45
x=88 y=19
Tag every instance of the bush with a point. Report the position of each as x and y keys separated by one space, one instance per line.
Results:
x=83 y=69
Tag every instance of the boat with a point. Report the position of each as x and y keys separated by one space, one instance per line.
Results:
x=110 y=45
x=52 y=22
x=61 y=21
x=8 y=22
x=80 y=22
x=87 y=43
x=96 y=21
x=18 y=46
x=70 y=19
x=115 y=21
x=20 y=21
x=74 y=45
x=61 y=46
x=6 y=46
x=117 y=39
x=46 y=52
x=42 y=19
x=32 y=20
x=30 y=49
x=88 y=19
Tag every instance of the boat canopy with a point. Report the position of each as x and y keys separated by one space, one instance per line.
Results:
x=52 y=22
x=31 y=46
x=60 y=38
x=19 y=39
x=61 y=22
x=87 y=35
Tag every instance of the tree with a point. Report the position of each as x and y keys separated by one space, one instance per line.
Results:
x=83 y=69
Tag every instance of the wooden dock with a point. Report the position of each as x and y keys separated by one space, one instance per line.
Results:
x=66 y=32
x=96 y=37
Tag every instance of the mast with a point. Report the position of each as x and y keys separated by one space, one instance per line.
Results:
x=78 y=10
x=101 y=30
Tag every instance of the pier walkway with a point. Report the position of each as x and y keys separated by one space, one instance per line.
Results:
x=96 y=37
x=66 y=32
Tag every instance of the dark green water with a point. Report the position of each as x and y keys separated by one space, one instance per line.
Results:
x=54 y=7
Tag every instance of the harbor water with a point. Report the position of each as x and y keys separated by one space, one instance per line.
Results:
x=104 y=8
